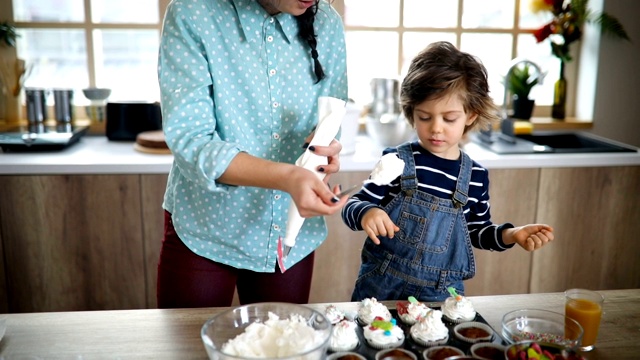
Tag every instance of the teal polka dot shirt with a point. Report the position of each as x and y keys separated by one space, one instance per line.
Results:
x=235 y=79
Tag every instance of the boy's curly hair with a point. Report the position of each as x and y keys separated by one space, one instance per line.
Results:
x=441 y=69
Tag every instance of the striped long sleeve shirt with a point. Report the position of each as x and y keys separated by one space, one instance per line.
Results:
x=436 y=176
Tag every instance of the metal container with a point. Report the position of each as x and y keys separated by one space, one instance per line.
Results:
x=63 y=102
x=385 y=97
x=36 y=100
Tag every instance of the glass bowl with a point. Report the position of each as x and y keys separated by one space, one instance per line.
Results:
x=523 y=351
x=541 y=325
x=307 y=338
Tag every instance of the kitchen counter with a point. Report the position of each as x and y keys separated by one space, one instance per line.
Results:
x=98 y=155
x=175 y=334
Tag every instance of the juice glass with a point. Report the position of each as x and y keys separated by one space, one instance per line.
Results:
x=585 y=307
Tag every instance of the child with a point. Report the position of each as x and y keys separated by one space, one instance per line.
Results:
x=421 y=227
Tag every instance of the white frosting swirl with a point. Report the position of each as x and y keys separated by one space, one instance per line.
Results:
x=370 y=308
x=334 y=314
x=458 y=309
x=274 y=338
x=382 y=338
x=344 y=336
x=388 y=168
x=415 y=311
x=430 y=328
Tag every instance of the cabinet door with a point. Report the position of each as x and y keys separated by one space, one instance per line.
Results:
x=596 y=216
x=153 y=187
x=72 y=242
x=513 y=197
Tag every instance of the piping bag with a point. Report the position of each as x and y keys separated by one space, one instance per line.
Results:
x=330 y=113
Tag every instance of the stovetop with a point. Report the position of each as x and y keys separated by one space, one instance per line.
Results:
x=40 y=137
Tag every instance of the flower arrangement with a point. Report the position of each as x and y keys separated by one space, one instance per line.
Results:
x=569 y=17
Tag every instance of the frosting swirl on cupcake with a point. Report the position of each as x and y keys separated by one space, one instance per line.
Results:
x=430 y=328
x=370 y=308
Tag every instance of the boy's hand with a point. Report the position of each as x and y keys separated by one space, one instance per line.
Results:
x=376 y=222
x=529 y=237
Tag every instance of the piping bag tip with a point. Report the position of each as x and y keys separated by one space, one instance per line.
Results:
x=283 y=251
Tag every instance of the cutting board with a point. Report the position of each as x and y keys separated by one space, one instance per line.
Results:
x=151 y=142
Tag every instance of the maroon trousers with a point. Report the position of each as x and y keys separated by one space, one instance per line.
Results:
x=187 y=280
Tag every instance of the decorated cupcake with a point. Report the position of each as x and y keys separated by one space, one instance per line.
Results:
x=430 y=330
x=333 y=314
x=370 y=309
x=458 y=308
x=344 y=336
x=382 y=334
x=410 y=311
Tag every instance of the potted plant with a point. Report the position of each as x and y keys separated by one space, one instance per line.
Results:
x=520 y=81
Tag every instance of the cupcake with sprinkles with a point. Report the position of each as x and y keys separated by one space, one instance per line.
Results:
x=457 y=308
x=344 y=336
x=333 y=314
x=411 y=311
x=382 y=334
x=370 y=309
x=430 y=330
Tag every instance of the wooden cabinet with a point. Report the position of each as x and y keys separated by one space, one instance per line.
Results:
x=92 y=242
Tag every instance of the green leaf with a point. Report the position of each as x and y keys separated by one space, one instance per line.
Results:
x=611 y=26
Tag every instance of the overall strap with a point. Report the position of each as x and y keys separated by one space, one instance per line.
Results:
x=461 y=195
x=408 y=180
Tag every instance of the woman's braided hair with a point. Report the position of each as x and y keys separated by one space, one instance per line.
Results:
x=307 y=33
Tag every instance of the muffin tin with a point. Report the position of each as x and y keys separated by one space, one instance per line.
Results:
x=409 y=344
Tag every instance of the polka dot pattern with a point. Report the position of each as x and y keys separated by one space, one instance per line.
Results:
x=235 y=79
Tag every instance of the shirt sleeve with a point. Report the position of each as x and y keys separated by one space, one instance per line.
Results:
x=483 y=233
x=186 y=89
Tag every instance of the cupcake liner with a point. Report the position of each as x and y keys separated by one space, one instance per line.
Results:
x=457 y=321
x=477 y=348
x=426 y=353
x=429 y=343
x=385 y=346
x=396 y=354
x=346 y=355
x=473 y=324
x=343 y=348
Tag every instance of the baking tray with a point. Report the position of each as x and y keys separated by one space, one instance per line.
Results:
x=409 y=344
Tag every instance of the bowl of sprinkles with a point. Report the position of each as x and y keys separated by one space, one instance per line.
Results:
x=541 y=326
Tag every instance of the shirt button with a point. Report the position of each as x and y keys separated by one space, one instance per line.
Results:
x=276 y=104
x=277 y=197
x=269 y=38
x=272 y=72
x=276 y=227
x=276 y=136
x=271 y=20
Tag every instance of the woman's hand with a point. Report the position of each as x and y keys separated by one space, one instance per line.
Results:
x=377 y=222
x=332 y=152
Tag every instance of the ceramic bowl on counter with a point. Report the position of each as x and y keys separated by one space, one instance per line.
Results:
x=541 y=325
x=267 y=331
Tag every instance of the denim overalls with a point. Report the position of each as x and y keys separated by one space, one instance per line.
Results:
x=431 y=252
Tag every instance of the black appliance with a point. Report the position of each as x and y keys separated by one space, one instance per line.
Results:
x=40 y=137
x=125 y=120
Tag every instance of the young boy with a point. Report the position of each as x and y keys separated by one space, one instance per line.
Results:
x=421 y=227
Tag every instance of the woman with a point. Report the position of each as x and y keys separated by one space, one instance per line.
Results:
x=240 y=81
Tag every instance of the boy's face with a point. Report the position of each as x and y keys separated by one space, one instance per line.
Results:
x=440 y=125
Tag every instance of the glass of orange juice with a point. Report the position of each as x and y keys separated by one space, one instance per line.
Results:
x=585 y=307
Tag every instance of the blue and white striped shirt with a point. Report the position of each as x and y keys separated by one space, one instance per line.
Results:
x=438 y=177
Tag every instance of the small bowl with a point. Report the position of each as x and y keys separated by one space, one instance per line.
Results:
x=231 y=323
x=541 y=325
x=96 y=93
x=389 y=129
x=519 y=351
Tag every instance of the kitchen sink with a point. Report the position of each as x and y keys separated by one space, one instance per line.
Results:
x=548 y=142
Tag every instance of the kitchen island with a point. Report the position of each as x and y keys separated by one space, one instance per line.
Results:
x=175 y=334
x=81 y=229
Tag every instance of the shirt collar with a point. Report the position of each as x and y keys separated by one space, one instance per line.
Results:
x=251 y=16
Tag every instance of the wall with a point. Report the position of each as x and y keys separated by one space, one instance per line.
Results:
x=617 y=102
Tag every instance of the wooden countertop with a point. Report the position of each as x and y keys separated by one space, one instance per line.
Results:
x=175 y=334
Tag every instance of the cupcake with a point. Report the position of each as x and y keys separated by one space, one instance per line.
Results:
x=487 y=351
x=473 y=332
x=346 y=355
x=395 y=354
x=410 y=311
x=457 y=308
x=381 y=334
x=344 y=336
x=441 y=352
x=370 y=309
x=333 y=314
x=430 y=330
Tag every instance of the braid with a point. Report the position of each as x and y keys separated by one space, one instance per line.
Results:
x=307 y=33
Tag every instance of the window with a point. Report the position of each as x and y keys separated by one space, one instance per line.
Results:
x=91 y=43
x=113 y=43
x=384 y=35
